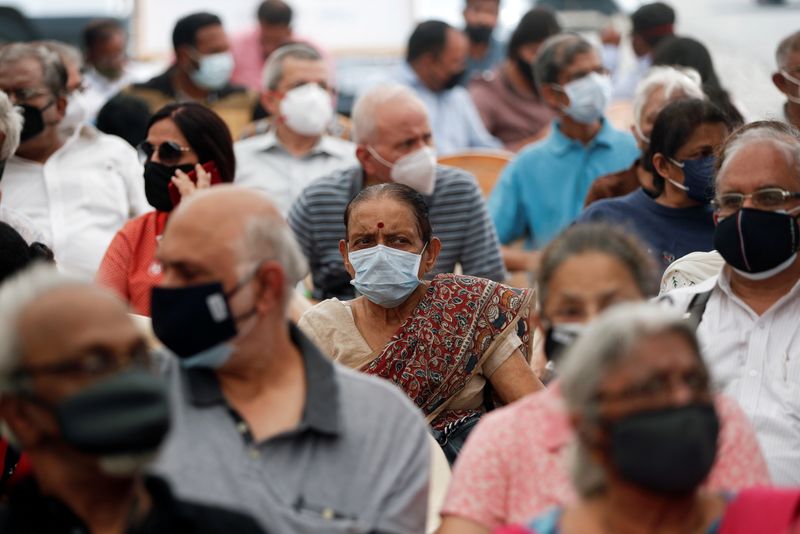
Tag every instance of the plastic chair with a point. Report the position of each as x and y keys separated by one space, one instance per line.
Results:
x=486 y=166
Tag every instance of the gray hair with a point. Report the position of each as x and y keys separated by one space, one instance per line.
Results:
x=556 y=54
x=781 y=136
x=273 y=69
x=54 y=74
x=10 y=126
x=268 y=237
x=675 y=81
x=69 y=55
x=366 y=107
x=16 y=295
x=606 y=345
x=787 y=46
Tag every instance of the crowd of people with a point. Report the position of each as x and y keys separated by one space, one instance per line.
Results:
x=226 y=307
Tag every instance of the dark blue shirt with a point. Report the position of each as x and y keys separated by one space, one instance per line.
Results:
x=668 y=233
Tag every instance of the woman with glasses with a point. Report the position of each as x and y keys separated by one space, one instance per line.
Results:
x=679 y=219
x=647 y=430
x=452 y=344
x=513 y=466
x=188 y=147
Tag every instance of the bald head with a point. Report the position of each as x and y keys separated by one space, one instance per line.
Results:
x=381 y=108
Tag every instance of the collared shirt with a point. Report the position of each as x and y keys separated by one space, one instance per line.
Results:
x=263 y=163
x=358 y=461
x=495 y=54
x=454 y=120
x=457 y=212
x=756 y=360
x=79 y=197
x=542 y=190
x=100 y=89
x=29 y=510
x=515 y=464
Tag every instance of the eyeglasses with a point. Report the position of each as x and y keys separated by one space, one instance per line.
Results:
x=24 y=94
x=96 y=363
x=169 y=152
x=659 y=387
x=768 y=198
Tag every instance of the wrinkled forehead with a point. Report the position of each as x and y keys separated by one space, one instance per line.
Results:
x=758 y=164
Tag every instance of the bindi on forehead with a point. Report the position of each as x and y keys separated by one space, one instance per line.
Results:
x=380 y=224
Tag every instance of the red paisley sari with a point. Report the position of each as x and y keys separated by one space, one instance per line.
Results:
x=445 y=339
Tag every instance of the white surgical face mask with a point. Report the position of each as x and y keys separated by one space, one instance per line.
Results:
x=385 y=275
x=417 y=170
x=589 y=97
x=307 y=109
x=214 y=71
x=77 y=113
x=792 y=98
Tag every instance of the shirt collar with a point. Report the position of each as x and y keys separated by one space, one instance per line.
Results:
x=560 y=144
x=325 y=145
x=321 y=410
x=724 y=283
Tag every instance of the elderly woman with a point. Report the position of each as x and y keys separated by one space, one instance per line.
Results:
x=513 y=466
x=678 y=219
x=447 y=343
x=183 y=139
x=647 y=431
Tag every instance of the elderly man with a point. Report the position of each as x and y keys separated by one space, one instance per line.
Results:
x=263 y=421
x=748 y=313
x=295 y=150
x=81 y=403
x=395 y=145
x=787 y=79
x=435 y=62
x=78 y=191
x=661 y=86
x=542 y=190
x=201 y=72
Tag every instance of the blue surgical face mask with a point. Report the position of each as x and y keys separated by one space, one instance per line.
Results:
x=589 y=97
x=698 y=178
x=386 y=276
x=214 y=71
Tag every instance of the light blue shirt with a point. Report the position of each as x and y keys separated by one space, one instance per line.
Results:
x=542 y=190
x=454 y=119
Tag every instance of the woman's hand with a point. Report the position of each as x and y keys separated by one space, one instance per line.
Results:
x=185 y=185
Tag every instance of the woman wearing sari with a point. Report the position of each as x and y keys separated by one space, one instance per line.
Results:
x=442 y=341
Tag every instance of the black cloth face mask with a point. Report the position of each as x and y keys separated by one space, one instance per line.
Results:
x=560 y=337
x=453 y=80
x=125 y=414
x=33 y=124
x=668 y=451
x=479 y=33
x=157 y=178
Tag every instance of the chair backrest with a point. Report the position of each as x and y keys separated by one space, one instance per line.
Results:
x=486 y=166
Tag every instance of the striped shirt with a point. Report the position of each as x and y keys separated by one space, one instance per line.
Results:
x=458 y=216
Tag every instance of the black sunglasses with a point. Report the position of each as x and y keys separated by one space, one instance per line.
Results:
x=169 y=152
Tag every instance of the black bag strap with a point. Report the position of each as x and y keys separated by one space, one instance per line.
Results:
x=697 y=307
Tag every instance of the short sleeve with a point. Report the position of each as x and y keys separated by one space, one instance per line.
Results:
x=501 y=353
x=114 y=270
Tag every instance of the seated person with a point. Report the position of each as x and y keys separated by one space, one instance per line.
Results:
x=542 y=190
x=181 y=138
x=296 y=150
x=506 y=97
x=201 y=73
x=679 y=220
x=486 y=51
x=125 y=116
x=439 y=341
x=638 y=398
x=83 y=404
x=661 y=86
x=513 y=467
x=395 y=145
x=435 y=62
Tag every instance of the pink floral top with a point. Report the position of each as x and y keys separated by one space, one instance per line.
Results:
x=514 y=467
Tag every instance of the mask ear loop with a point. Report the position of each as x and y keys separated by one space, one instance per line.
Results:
x=377 y=156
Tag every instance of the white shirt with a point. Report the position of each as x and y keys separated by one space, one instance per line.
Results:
x=262 y=163
x=756 y=360
x=100 y=89
x=79 y=197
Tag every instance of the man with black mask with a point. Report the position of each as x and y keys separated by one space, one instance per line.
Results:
x=435 y=63
x=83 y=404
x=77 y=190
x=748 y=313
x=485 y=50
x=506 y=97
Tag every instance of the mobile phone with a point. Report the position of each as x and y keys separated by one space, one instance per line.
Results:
x=209 y=167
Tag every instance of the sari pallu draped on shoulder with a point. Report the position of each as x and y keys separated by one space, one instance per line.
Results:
x=446 y=339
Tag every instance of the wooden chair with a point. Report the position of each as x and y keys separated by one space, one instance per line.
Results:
x=486 y=166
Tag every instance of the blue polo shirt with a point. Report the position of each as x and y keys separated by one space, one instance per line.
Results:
x=668 y=233
x=542 y=190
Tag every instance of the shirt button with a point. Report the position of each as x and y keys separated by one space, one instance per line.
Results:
x=241 y=428
x=753 y=372
x=254 y=454
x=762 y=327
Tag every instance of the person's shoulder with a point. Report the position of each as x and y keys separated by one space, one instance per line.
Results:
x=620 y=138
x=334 y=184
x=680 y=298
x=448 y=178
x=251 y=143
x=323 y=310
x=367 y=397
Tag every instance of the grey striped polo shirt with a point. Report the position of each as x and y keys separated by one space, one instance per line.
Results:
x=458 y=216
